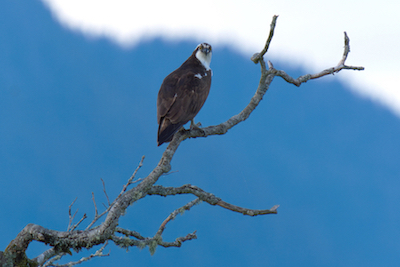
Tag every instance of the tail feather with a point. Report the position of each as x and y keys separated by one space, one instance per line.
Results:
x=167 y=133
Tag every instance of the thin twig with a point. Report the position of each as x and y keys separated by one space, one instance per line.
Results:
x=245 y=211
x=130 y=181
x=346 y=49
x=173 y=214
x=165 y=174
x=71 y=218
x=98 y=253
x=78 y=223
x=257 y=56
x=156 y=240
x=105 y=192
x=96 y=214
x=95 y=206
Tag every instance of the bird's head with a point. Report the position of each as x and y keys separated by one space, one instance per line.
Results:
x=203 y=53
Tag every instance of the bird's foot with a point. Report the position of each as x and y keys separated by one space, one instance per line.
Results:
x=195 y=126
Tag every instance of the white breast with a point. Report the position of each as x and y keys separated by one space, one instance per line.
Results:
x=204 y=59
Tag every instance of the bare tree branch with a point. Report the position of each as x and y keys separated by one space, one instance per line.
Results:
x=125 y=242
x=207 y=197
x=46 y=256
x=267 y=77
x=105 y=192
x=346 y=50
x=50 y=253
x=245 y=211
x=302 y=79
x=98 y=253
x=173 y=215
x=129 y=233
x=61 y=242
x=153 y=242
x=95 y=206
x=258 y=56
x=53 y=259
x=130 y=181
x=78 y=223
x=71 y=218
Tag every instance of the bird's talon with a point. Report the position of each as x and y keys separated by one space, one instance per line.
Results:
x=195 y=126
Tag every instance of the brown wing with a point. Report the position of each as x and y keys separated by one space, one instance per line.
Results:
x=180 y=98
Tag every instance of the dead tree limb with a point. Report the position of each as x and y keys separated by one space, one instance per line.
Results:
x=207 y=197
x=62 y=242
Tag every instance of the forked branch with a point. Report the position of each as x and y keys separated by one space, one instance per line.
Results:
x=156 y=240
x=302 y=79
x=61 y=242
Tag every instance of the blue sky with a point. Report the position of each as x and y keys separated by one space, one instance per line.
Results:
x=75 y=109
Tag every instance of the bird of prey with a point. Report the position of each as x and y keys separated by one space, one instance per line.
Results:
x=183 y=93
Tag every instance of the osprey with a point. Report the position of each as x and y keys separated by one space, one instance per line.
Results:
x=183 y=93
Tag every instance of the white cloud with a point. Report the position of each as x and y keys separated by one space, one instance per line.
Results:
x=309 y=33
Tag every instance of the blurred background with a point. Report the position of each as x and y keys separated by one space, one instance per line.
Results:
x=78 y=105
